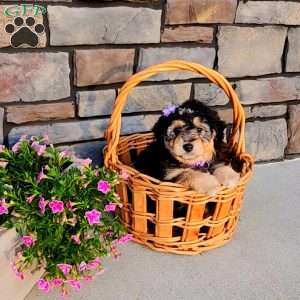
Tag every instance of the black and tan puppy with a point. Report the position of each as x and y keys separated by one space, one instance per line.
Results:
x=187 y=147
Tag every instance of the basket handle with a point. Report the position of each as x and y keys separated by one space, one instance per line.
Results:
x=237 y=137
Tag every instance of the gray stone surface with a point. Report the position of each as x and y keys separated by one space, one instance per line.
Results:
x=293 y=61
x=34 y=76
x=101 y=66
x=200 y=11
x=294 y=129
x=40 y=112
x=1 y=124
x=268 y=12
x=266 y=140
x=95 y=103
x=260 y=263
x=106 y=25
x=266 y=111
x=75 y=131
x=188 y=34
x=268 y=90
x=151 y=56
x=154 y=98
x=250 y=51
x=210 y=94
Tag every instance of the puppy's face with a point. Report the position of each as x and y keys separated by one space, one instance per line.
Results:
x=190 y=140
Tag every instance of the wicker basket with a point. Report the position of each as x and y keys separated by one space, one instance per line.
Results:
x=160 y=228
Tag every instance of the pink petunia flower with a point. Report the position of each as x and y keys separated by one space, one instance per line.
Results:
x=103 y=186
x=66 y=154
x=94 y=264
x=17 y=272
x=93 y=216
x=42 y=205
x=100 y=272
x=16 y=147
x=124 y=239
x=70 y=205
x=56 y=206
x=65 y=268
x=124 y=175
x=57 y=282
x=30 y=199
x=43 y=285
x=3 y=207
x=84 y=162
x=41 y=175
x=27 y=240
x=110 y=207
x=82 y=266
x=74 y=284
x=76 y=239
x=39 y=149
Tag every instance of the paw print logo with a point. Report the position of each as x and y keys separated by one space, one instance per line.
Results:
x=24 y=32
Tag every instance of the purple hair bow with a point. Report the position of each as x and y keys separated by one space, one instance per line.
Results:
x=169 y=110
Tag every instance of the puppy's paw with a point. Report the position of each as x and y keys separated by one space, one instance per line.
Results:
x=205 y=183
x=226 y=176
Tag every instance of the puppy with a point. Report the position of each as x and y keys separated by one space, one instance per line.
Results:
x=189 y=149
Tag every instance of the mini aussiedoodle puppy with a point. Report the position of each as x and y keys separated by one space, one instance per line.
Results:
x=189 y=149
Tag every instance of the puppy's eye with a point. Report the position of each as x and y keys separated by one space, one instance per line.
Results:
x=177 y=130
x=200 y=130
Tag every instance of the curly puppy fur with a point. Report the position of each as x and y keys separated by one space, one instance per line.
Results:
x=192 y=133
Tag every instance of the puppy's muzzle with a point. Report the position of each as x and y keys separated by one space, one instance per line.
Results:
x=188 y=147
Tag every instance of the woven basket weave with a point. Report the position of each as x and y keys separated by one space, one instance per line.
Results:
x=160 y=228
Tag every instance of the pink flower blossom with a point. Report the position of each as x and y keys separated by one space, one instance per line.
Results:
x=27 y=240
x=69 y=205
x=66 y=154
x=76 y=239
x=57 y=282
x=3 y=207
x=124 y=239
x=41 y=175
x=39 y=149
x=30 y=199
x=103 y=186
x=82 y=266
x=110 y=207
x=124 y=175
x=42 y=205
x=43 y=285
x=2 y=147
x=16 y=147
x=23 y=137
x=93 y=216
x=74 y=283
x=65 y=268
x=94 y=264
x=84 y=162
x=56 y=206
x=17 y=272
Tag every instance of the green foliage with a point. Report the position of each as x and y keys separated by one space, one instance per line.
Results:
x=37 y=174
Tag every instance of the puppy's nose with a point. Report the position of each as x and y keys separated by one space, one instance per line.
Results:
x=188 y=147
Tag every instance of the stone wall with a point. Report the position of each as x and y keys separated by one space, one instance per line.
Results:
x=65 y=84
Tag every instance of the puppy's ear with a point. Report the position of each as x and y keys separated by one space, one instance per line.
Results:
x=160 y=128
x=219 y=128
